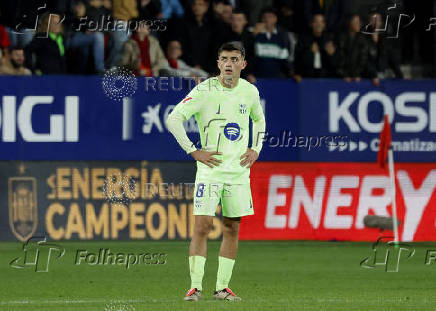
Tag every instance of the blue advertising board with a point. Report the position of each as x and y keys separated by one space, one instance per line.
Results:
x=354 y=113
x=72 y=118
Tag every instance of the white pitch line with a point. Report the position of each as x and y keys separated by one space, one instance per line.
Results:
x=104 y=300
x=152 y=300
x=73 y=301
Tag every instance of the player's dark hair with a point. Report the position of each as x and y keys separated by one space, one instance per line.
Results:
x=232 y=46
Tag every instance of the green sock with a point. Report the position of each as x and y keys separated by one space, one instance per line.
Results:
x=196 y=269
x=225 y=267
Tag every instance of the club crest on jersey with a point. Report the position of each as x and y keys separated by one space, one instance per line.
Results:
x=242 y=108
x=232 y=131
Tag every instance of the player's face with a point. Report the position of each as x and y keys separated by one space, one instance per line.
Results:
x=231 y=64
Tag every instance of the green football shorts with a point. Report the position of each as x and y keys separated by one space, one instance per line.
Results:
x=236 y=200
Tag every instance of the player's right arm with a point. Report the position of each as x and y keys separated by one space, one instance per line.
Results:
x=190 y=105
x=259 y=123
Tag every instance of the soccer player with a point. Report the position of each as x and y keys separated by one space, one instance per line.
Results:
x=222 y=106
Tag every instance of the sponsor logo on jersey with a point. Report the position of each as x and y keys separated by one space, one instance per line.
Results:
x=186 y=100
x=232 y=131
x=198 y=204
x=242 y=108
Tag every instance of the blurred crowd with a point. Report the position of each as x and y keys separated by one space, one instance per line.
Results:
x=283 y=38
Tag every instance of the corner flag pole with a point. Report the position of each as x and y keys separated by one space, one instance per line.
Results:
x=385 y=150
x=393 y=193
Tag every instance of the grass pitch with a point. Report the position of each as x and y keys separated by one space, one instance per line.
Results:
x=267 y=275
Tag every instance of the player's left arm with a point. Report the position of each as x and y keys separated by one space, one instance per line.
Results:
x=258 y=130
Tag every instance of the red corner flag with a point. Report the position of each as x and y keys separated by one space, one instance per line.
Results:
x=385 y=142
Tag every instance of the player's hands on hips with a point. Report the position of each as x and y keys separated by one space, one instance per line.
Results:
x=206 y=157
x=249 y=157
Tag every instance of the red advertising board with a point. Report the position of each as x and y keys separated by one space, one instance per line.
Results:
x=328 y=201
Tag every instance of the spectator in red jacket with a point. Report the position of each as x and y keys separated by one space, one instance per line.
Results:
x=4 y=41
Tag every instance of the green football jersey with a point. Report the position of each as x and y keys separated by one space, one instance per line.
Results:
x=222 y=115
